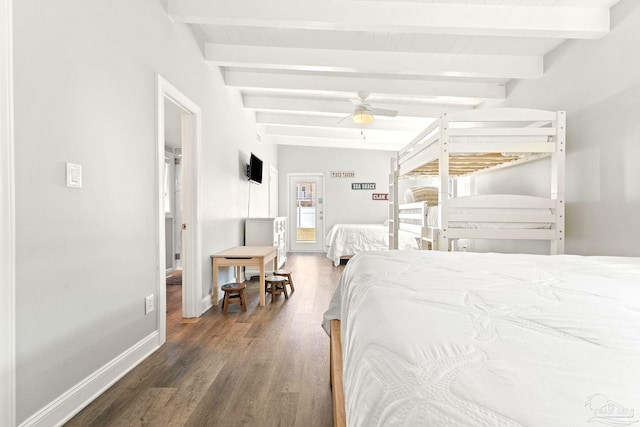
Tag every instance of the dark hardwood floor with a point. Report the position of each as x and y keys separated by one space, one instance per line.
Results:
x=266 y=367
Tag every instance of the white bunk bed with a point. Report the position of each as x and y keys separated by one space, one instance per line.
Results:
x=467 y=142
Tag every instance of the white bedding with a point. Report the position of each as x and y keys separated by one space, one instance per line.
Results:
x=350 y=239
x=467 y=339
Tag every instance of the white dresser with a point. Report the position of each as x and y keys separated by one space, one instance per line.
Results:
x=266 y=232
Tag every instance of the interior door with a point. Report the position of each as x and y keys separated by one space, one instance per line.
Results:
x=306 y=213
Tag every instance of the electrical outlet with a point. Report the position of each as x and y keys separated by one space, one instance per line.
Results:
x=148 y=304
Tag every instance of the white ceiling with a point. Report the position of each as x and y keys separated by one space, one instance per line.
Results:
x=298 y=62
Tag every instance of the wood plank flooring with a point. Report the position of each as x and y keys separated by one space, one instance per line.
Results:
x=268 y=366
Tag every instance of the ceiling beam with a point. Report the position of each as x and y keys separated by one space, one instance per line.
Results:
x=351 y=85
x=398 y=63
x=372 y=135
x=334 y=143
x=399 y=17
x=307 y=120
x=343 y=108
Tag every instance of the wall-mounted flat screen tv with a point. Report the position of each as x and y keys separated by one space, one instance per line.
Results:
x=254 y=169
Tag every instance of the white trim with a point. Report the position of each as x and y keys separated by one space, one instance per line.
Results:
x=205 y=304
x=192 y=248
x=77 y=397
x=7 y=223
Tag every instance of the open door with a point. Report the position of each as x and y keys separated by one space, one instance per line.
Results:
x=306 y=213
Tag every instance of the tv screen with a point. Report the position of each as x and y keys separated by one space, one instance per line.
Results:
x=254 y=172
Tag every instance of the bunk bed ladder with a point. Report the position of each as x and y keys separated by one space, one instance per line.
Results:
x=558 y=182
x=443 y=196
x=393 y=203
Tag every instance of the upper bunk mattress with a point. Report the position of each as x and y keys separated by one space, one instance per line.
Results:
x=462 y=339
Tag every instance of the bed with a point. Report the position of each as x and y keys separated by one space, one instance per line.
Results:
x=436 y=338
x=477 y=141
x=345 y=240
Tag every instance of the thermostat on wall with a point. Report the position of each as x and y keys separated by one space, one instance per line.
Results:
x=74 y=175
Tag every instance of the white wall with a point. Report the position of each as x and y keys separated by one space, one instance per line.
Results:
x=7 y=248
x=85 y=259
x=342 y=204
x=598 y=83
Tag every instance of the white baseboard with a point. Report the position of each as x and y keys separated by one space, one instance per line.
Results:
x=206 y=304
x=75 y=399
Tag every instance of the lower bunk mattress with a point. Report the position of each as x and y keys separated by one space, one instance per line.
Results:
x=346 y=240
x=469 y=339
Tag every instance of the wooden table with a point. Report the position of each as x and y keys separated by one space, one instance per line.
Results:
x=242 y=256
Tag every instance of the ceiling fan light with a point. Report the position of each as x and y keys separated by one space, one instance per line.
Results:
x=362 y=117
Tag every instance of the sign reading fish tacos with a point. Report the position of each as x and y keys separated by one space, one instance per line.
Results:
x=342 y=174
x=363 y=185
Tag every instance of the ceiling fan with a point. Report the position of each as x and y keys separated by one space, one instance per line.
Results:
x=363 y=112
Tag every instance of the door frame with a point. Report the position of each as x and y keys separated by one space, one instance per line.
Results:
x=7 y=223
x=169 y=158
x=292 y=220
x=192 y=247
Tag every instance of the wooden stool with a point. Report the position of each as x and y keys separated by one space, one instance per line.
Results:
x=232 y=293
x=276 y=285
x=286 y=273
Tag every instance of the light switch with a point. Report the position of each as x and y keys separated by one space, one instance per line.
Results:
x=74 y=175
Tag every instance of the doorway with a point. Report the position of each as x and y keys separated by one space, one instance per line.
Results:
x=173 y=196
x=188 y=123
x=306 y=213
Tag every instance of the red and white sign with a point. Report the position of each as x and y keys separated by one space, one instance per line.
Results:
x=380 y=196
x=342 y=174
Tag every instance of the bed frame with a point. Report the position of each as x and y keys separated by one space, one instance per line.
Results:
x=335 y=375
x=470 y=142
x=412 y=217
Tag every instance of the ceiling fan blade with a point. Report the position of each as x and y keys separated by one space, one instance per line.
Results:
x=355 y=101
x=344 y=118
x=384 y=112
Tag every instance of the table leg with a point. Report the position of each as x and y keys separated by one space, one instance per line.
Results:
x=261 y=290
x=214 y=286
x=238 y=278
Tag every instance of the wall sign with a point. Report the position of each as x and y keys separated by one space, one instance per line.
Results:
x=363 y=185
x=380 y=196
x=342 y=174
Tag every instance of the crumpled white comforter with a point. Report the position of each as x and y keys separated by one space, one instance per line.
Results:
x=350 y=239
x=469 y=339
